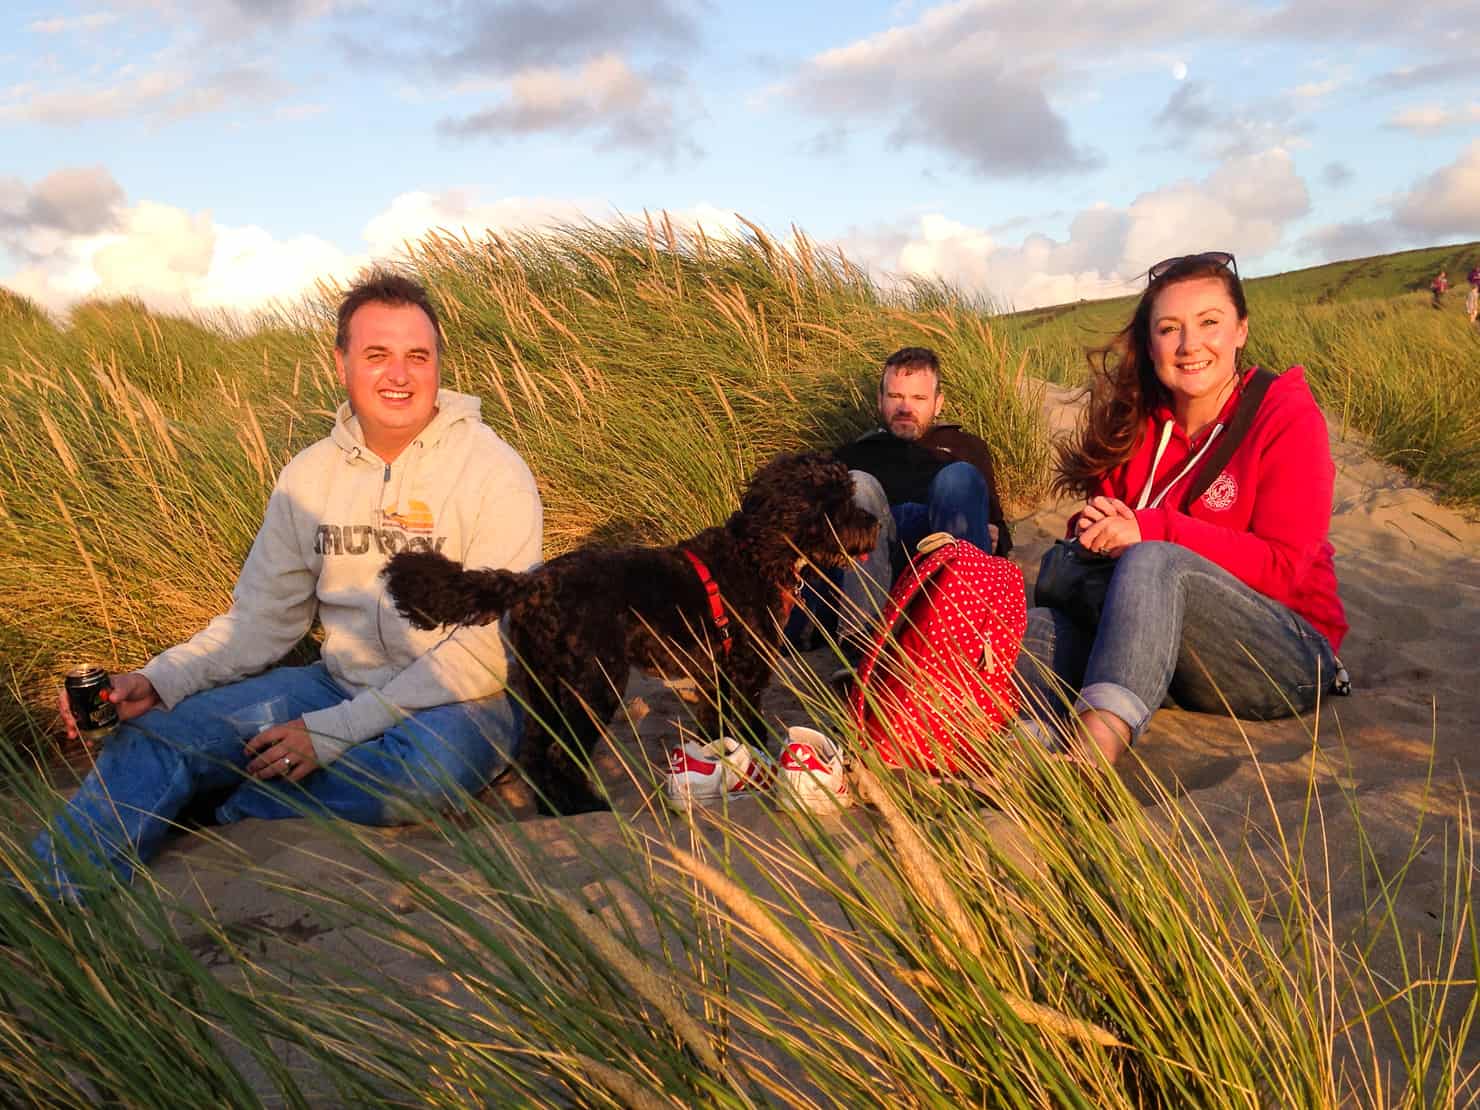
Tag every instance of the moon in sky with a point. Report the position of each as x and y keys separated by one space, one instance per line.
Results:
x=1179 y=71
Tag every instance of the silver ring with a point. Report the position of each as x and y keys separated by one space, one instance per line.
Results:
x=288 y=761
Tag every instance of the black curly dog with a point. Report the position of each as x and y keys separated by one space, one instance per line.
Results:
x=579 y=622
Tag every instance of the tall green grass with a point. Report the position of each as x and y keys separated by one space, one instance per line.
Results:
x=643 y=372
x=1038 y=940
x=1028 y=938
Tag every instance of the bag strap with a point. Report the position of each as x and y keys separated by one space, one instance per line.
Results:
x=1255 y=387
x=920 y=575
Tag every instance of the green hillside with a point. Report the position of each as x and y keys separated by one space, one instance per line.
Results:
x=1355 y=279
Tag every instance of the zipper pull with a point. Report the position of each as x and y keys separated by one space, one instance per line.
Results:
x=387 y=476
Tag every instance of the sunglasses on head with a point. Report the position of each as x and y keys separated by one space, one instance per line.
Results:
x=1216 y=258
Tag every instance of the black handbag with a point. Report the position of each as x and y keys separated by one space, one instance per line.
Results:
x=1076 y=580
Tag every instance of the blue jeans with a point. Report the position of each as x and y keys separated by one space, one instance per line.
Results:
x=1175 y=622
x=156 y=764
x=959 y=503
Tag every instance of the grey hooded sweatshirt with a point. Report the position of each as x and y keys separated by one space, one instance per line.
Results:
x=336 y=514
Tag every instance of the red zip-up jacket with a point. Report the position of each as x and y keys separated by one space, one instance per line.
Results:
x=1266 y=516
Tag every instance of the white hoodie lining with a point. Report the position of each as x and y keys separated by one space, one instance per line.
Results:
x=1166 y=435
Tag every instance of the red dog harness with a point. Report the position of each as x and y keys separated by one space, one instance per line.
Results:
x=716 y=603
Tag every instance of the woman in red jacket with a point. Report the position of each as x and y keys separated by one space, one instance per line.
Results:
x=1230 y=603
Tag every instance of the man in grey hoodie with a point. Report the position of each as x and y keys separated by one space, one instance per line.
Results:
x=390 y=721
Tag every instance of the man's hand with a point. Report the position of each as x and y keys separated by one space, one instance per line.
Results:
x=282 y=751
x=132 y=695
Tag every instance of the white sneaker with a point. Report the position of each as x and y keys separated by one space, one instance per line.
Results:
x=811 y=774
x=709 y=774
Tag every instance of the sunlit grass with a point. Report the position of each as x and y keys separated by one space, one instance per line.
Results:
x=1039 y=940
x=643 y=372
x=1042 y=939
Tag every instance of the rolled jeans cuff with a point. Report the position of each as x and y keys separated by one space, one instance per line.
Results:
x=1111 y=697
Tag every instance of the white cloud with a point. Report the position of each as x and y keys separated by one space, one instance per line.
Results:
x=1243 y=206
x=1424 y=118
x=960 y=80
x=605 y=96
x=984 y=80
x=1439 y=205
x=1354 y=239
x=176 y=260
x=1447 y=201
x=77 y=239
x=459 y=211
x=1316 y=90
x=68 y=202
x=162 y=94
x=62 y=25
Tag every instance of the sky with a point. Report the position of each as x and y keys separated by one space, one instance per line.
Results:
x=226 y=154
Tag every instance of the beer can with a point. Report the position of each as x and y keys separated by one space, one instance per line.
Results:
x=88 y=694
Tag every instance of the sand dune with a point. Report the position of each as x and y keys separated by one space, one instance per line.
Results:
x=1404 y=746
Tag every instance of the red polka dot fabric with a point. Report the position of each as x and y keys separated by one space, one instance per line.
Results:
x=936 y=685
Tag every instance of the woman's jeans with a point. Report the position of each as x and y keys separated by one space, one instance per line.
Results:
x=1175 y=622
x=156 y=764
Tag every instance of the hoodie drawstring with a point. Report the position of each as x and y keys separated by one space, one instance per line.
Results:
x=1166 y=435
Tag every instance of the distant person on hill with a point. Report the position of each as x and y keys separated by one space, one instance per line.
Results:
x=917 y=476
x=1439 y=286
x=1472 y=298
x=1229 y=602
x=390 y=721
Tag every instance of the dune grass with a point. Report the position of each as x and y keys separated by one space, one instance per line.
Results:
x=1039 y=941
x=643 y=372
x=1036 y=939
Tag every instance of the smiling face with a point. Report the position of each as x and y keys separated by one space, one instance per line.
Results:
x=391 y=373
x=1196 y=334
x=909 y=400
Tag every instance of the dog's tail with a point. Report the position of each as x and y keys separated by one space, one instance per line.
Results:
x=430 y=590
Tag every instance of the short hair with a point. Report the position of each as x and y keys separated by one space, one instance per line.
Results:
x=911 y=360
x=383 y=287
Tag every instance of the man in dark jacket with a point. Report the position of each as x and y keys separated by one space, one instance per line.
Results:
x=934 y=477
x=917 y=477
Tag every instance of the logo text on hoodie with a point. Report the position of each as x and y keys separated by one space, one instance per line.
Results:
x=392 y=532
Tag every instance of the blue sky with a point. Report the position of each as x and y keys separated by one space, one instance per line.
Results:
x=222 y=153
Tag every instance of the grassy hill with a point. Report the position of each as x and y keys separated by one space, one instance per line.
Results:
x=1355 y=279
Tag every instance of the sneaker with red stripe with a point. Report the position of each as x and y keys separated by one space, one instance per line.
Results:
x=713 y=773
x=811 y=775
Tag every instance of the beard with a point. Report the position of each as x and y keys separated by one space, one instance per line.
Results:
x=907 y=428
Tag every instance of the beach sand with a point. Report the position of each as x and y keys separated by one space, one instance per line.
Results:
x=1404 y=746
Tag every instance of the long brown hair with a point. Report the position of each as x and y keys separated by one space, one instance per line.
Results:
x=1123 y=387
